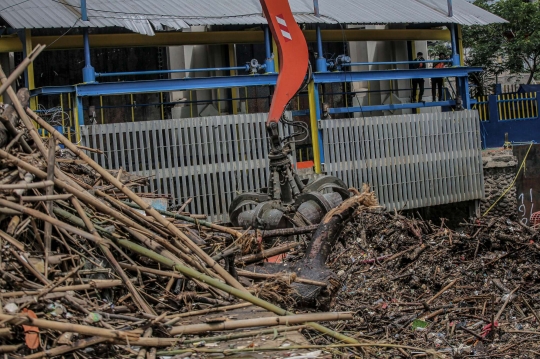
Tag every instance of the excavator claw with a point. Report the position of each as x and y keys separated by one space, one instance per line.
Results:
x=287 y=201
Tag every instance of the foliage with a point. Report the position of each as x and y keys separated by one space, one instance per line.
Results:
x=512 y=47
x=437 y=47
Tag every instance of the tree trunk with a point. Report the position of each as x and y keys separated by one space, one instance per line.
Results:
x=531 y=74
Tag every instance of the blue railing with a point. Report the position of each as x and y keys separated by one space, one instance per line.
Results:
x=513 y=115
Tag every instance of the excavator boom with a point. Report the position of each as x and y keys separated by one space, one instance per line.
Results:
x=293 y=54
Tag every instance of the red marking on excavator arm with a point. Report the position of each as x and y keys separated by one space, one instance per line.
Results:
x=293 y=54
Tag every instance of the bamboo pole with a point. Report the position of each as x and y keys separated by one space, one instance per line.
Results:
x=96 y=284
x=297 y=347
x=47 y=198
x=68 y=327
x=248 y=297
x=49 y=192
x=82 y=195
x=147 y=208
x=79 y=344
x=44 y=217
x=152 y=245
x=259 y=322
x=26 y=185
x=137 y=298
x=290 y=277
x=207 y=224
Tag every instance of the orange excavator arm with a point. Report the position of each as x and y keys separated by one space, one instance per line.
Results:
x=293 y=54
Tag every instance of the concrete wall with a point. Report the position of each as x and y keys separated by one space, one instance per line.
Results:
x=500 y=168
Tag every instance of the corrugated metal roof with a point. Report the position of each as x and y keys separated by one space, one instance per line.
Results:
x=138 y=16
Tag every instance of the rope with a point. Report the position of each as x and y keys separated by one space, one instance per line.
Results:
x=513 y=182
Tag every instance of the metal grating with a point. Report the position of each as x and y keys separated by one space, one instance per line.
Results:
x=209 y=159
x=412 y=161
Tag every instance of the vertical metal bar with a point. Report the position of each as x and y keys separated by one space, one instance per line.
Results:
x=132 y=108
x=221 y=183
x=455 y=57
x=63 y=118
x=385 y=160
x=414 y=143
x=218 y=102
x=376 y=163
x=190 y=103
x=422 y=150
x=246 y=97
x=147 y=154
x=29 y=72
x=500 y=107
x=107 y=142
x=358 y=152
x=170 y=155
x=315 y=133
x=185 y=173
x=79 y=117
x=162 y=106
x=234 y=90
x=443 y=150
x=460 y=149
x=163 y=163
x=101 y=109
x=204 y=167
x=259 y=124
x=398 y=183
x=402 y=155
x=435 y=194
x=247 y=153
x=372 y=164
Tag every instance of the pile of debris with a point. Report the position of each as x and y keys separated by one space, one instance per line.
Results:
x=88 y=268
x=474 y=292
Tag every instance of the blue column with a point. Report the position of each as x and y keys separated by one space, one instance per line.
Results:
x=463 y=84
x=269 y=61
x=321 y=65
x=80 y=111
x=455 y=55
x=89 y=74
x=493 y=108
x=318 y=114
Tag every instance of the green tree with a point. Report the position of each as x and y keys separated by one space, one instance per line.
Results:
x=511 y=47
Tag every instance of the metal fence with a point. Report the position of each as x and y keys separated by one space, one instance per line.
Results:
x=517 y=106
x=412 y=161
x=209 y=159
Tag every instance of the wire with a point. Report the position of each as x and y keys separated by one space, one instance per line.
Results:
x=10 y=6
x=65 y=33
x=511 y=184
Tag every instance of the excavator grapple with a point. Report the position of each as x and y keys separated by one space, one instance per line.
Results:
x=287 y=201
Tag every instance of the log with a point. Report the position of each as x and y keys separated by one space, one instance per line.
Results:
x=259 y=322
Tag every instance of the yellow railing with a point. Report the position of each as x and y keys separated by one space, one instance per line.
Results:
x=482 y=107
x=517 y=106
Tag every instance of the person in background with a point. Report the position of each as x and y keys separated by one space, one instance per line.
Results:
x=437 y=83
x=418 y=83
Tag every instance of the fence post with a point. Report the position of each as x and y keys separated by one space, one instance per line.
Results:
x=538 y=104
x=493 y=108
